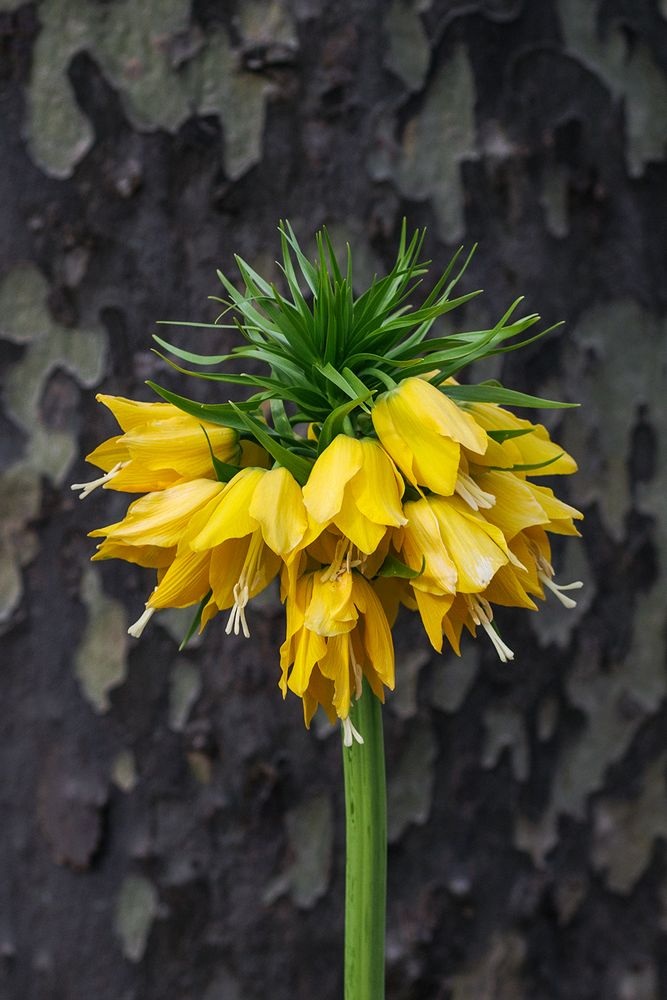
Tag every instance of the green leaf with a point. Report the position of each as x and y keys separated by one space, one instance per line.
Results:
x=196 y=621
x=299 y=467
x=394 y=567
x=195 y=359
x=526 y=468
x=498 y=394
x=501 y=436
x=223 y=470
x=222 y=414
x=280 y=418
x=338 y=380
x=333 y=425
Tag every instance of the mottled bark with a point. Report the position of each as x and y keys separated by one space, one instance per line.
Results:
x=169 y=829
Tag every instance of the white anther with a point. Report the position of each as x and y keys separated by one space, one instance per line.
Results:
x=87 y=488
x=350 y=734
x=141 y=623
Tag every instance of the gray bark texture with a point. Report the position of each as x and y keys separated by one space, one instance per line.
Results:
x=168 y=827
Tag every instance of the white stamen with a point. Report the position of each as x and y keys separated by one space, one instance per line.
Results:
x=141 y=623
x=505 y=654
x=558 y=588
x=237 y=620
x=474 y=496
x=87 y=488
x=342 y=561
x=350 y=733
x=482 y=614
x=545 y=573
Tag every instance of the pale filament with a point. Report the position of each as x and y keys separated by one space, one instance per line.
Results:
x=356 y=668
x=342 y=561
x=474 y=496
x=545 y=573
x=248 y=580
x=87 y=488
x=350 y=734
x=136 y=630
x=482 y=614
x=237 y=619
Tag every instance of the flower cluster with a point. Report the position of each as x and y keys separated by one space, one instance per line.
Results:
x=388 y=484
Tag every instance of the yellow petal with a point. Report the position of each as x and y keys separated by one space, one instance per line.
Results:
x=365 y=534
x=209 y=612
x=515 y=508
x=162 y=518
x=506 y=589
x=377 y=638
x=532 y=448
x=422 y=540
x=377 y=488
x=108 y=454
x=131 y=412
x=432 y=609
x=419 y=449
x=323 y=493
x=150 y=556
x=184 y=583
x=440 y=413
x=335 y=665
x=277 y=506
x=477 y=548
x=555 y=509
x=320 y=692
x=226 y=567
x=231 y=517
x=500 y=456
x=134 y=478
x=253 y=455
x=390 y=592
x=392 y=438
x=311 y=649
x=331 y=610
x=179 y=443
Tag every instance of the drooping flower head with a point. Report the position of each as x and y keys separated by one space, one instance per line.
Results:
x=359 y=472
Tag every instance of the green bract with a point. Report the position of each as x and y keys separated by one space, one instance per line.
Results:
x=329 y=354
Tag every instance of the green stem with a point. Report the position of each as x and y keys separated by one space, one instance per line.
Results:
x=366 y=865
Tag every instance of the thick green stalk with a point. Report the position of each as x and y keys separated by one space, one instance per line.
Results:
x=366 y=864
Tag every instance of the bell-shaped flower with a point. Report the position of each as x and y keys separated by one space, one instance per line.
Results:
x=354 y=485
x=152 y=534
x=337 y=633
x=529 y=444
x=160 y=446
x=257 y=520
x=423 y=431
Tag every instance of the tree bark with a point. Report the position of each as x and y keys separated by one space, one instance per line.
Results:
x=169 y=829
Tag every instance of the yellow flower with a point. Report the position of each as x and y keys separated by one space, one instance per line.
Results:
x=256 y=520
x=160 y=519
x=337 y=633
x=532 y=447
x=355 y=486
x=461 y=553
x=151 y=534
x=423 y=431
x=160 y=447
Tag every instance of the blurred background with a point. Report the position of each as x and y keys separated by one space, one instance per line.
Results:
x=168 y=827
